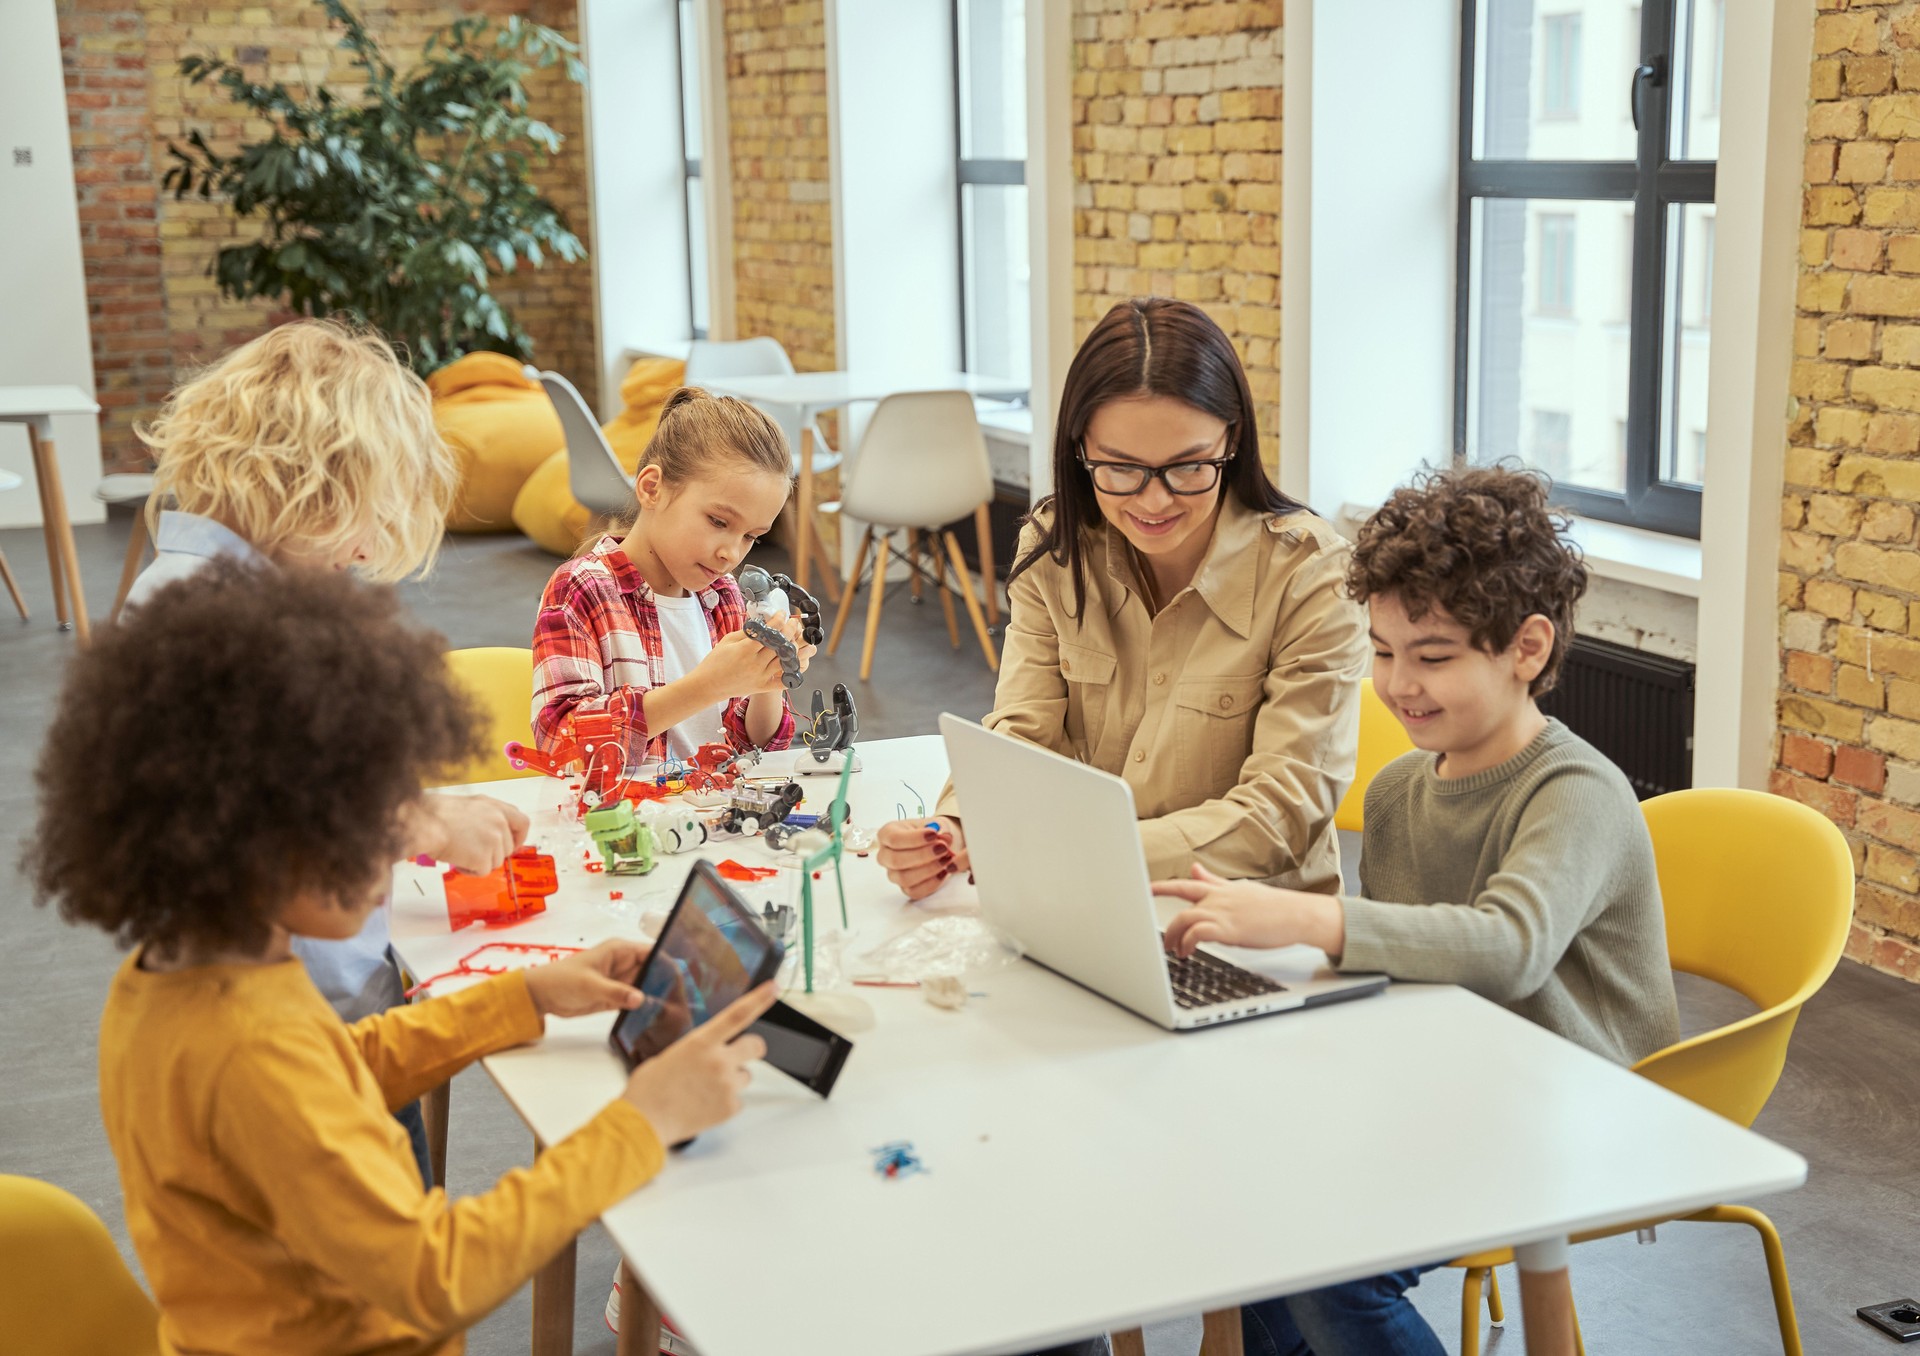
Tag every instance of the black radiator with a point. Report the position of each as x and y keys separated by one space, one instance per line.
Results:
x=1636 y=708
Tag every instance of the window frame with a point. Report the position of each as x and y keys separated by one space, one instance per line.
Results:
x=692 y=178
x=976 y=170
x=1650 y=183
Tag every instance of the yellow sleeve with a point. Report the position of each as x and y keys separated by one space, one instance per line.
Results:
x=414 y=1049
x=1305 y=740
x=316 y=1164
x=1030 y=696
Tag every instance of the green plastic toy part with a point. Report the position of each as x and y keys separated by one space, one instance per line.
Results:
x=627 y=845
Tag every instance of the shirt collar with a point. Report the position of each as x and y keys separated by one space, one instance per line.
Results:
x=192 y=534
x=1223 y=581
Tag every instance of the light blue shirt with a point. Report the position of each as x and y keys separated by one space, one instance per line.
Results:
x=355 y=976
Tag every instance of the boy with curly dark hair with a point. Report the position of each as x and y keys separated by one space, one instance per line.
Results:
x=1505 y=854
x=226 y=771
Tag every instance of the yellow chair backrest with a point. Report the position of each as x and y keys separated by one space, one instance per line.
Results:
x=1758 y=892
x=64 y=1291
x=500 y=677
x=1382 y=739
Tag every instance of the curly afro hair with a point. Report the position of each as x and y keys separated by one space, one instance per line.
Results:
x=248 y=733
x=1481 y=546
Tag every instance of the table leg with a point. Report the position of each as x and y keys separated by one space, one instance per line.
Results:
x=553 y=1290
x=1546 y=1299
x=804 y=528
x=639 y=1317
x=47 y=466
x=1220 y=1333
x=54 y=572
x=989 y=580
x=1132 y=1342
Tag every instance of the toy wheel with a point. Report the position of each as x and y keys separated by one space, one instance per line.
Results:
x=750 y=825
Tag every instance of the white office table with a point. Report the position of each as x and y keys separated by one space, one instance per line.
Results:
x=810 y=393
x=1088 y=1171
x=35 y=407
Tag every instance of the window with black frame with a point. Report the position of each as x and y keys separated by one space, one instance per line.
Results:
x=688 y=20
x=990 y=88
x=1589 y=131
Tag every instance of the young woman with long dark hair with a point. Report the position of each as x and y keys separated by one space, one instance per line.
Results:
x=1176 y=620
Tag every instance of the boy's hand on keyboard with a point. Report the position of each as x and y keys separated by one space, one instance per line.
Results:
x=695 y=1083
x=599 y=979
x=473 y=833
x=1247 y=913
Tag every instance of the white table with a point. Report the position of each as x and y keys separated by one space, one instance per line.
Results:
x=35 y=407
x=1089 y=1171
x=810 y=393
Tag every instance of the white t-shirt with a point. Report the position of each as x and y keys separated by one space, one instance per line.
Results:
x=684 y=642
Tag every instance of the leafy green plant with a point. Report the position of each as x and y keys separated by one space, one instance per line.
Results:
x=400 y=208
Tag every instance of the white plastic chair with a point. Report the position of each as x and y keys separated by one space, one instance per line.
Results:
x=593 y=472
x=132 y=488
x=10 y=481
x=922 y=464
x=716 y=359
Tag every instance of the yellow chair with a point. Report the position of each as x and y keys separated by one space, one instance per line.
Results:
x=500 y=677
x=64 y=1291
x=1382 y=739
x=1759 y=897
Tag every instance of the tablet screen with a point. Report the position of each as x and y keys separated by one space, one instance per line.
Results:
x=711 y=951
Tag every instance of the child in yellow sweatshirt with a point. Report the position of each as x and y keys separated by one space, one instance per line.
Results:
x=282 y=721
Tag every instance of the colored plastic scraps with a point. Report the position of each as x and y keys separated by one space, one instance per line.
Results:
x=495 y=958
x=897 y=1160
x=514 y=891
x=739 y=871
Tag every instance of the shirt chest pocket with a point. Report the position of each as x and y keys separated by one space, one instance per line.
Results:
x=1089 y=674
x=1213 y=722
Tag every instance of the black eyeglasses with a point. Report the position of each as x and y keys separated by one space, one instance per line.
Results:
x=1124 y=478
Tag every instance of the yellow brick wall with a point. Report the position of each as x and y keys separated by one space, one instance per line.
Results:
x=776 y=63
x=127 y=101
x=1849 y=740
x=1176 y=156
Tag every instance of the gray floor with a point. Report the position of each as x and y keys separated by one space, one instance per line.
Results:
x=1852 y=1234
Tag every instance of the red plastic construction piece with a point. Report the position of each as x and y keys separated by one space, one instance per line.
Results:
x=473 y=964
x=739 y=871
x=513 y=892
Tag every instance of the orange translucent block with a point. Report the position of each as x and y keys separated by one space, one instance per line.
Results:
x=732 y=870
x=511 y=893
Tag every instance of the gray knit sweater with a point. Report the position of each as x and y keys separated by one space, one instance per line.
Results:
x=1531 y=883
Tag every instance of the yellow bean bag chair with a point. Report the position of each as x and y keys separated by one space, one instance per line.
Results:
x=501 y=426
x=545 y=509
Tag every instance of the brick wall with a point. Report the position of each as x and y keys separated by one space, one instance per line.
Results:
x=776 y=62
x=1849 y=741
x=1176 y=155
x=155 y=310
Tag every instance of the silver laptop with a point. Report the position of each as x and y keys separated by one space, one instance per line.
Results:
x=1056 y=851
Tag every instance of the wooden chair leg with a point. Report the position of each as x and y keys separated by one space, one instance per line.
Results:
x=803 y=509
x=852 y=590
x=989 y=578
x=1132 y=1342
x=876 y=594
x=913 y=560
x=553 y=1291
x=435 y=1109
x=13 y=586
x=136 y=552
x=639 y=1317
x=973 y=604
x=47 y=463
x=829 y=567
x=946 y=594
x=1220 y=1329
x=54 y=573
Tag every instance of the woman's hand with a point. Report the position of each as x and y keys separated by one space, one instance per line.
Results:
x=737 y=666
x=919 y=855
x=473 y=833
x=695 y=1083
x=597 y=980
x=1247 y=913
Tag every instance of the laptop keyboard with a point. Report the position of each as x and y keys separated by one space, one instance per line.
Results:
x=1201 y=980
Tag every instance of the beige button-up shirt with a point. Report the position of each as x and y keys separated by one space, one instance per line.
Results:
x=1233 y=714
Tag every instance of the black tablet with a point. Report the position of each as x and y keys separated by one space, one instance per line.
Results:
x=712 y=951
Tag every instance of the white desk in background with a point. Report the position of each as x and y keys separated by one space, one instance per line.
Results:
x=811 y=393
x=35 y=406
x=1088 y=1171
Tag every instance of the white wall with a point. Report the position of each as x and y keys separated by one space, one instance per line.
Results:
x=1049 y=225
x=636 y=176
x=896 y=228
x=1368 y=217
x=43 y=295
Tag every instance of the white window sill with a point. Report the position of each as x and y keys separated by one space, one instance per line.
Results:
x=1631 y=555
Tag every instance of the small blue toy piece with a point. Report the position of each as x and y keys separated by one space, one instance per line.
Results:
x=897 y=1160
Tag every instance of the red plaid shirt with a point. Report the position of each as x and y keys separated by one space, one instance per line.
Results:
x=598 y=631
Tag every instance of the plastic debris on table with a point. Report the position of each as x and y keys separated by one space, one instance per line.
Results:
x=897 y=1160
x=740 y=871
